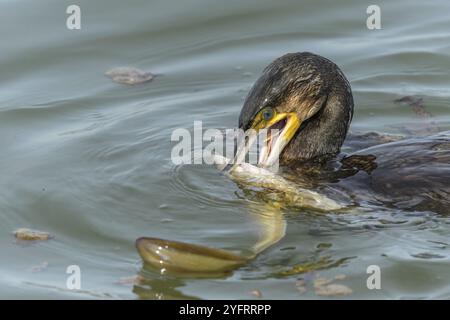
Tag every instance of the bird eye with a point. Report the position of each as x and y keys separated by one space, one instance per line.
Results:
x=267 y=114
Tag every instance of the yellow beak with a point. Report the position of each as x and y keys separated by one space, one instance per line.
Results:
x=279 y=132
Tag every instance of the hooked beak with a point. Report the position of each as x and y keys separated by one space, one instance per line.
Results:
x=278 y=132
x=273 y=135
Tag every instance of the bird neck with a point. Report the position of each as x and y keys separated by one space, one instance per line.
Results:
x=322 y=136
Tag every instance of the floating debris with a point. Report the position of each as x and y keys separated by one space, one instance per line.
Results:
x=331 y=290
x=326 y=287
x=416 y=104
x=427 y=255
x=31 y=235
x=428 y=126
x=256 y=293
x=301 y=285
x=129 y=75
x=39 y=268
x=324 y=246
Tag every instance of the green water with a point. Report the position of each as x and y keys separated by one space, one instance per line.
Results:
x=88 y=160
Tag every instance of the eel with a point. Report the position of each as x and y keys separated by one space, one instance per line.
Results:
x=192 y=260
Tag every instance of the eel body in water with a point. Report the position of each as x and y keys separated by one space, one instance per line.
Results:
x=183 y=259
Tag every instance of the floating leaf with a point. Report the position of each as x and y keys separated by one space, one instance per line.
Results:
x=129 y=75
x=31 y=235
